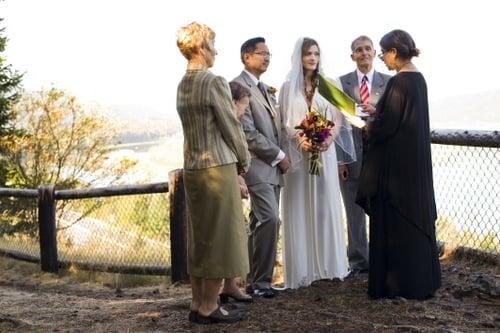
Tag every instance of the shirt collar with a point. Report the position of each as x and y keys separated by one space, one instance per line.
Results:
x=369 y=75
x=254 y=79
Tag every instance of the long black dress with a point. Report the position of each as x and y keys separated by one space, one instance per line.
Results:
x=396 y=191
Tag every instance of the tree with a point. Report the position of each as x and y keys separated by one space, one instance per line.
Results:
x=57 y=141
x=61 y=143
x=10 y=85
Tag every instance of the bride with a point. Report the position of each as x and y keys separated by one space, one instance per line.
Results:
x=314 y=245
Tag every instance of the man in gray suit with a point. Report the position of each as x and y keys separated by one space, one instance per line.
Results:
x=365 y=86
x=265 y=133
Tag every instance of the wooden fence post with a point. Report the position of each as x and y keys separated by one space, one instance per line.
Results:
x=47 y=228
x=178 y=226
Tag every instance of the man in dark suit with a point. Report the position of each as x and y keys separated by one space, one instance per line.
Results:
x=365 y=86
x=266 y=136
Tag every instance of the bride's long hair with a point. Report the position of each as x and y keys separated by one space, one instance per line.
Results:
x=307 y=43
x=292 y=98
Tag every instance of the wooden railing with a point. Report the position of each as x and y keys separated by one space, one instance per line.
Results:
x=47 y=197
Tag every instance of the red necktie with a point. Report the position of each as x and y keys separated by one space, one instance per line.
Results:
x=363 y=91
x=364 y=96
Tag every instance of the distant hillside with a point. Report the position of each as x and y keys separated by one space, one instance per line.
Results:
x=141 y=130
x=472 y=111
x=139 y=124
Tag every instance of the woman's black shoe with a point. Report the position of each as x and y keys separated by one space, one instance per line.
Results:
x=193 y=316
x=218 y=317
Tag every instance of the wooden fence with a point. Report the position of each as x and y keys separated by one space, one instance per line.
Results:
x=47 y=201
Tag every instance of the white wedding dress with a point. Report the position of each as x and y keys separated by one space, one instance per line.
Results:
x=314 y=245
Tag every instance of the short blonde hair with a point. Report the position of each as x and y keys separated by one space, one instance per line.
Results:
x=192 y=37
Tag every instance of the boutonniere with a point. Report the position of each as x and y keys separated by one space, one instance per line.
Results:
x=271 y=90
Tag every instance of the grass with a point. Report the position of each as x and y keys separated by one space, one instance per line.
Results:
x=23 y=267
x=74 y=275
x=447 y=231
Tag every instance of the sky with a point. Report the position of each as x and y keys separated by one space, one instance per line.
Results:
x=121 y=52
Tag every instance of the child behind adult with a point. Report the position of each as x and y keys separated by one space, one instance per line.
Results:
x=241 y=100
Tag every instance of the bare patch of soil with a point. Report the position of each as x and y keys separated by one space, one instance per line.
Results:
x=469 y=301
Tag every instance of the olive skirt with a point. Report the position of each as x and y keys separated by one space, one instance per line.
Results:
x=217 y=239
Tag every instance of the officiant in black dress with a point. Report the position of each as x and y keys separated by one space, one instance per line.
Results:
x=396 y=186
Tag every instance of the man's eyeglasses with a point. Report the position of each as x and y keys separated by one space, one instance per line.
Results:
x=264 y=54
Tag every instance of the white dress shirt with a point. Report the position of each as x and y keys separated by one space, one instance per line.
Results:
x=369 y=76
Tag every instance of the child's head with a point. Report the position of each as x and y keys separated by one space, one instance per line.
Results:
x=241 y=98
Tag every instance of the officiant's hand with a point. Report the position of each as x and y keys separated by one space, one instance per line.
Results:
x=368 y=108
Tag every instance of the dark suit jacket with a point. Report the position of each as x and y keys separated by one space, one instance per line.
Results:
x=351 y=87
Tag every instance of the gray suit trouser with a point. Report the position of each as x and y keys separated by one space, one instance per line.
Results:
x=357 y=248
x=263 y=237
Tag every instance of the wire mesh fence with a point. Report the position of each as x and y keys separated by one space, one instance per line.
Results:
x=19 y=227
x=131 y=233
x=119 y=231
x=467 y=188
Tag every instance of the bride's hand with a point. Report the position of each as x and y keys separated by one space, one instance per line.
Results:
x=305 y=144
x=325 y=145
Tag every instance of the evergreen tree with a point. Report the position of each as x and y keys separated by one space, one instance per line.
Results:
x=10 y=85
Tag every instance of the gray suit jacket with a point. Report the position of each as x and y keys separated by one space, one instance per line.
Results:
x=351 y=87
x=265 y=133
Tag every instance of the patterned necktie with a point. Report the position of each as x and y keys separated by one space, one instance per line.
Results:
x=262 y=90
x=363 y=91
x=364 y=96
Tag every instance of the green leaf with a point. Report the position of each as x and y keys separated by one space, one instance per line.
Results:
x=340 y=100
x=336 y=96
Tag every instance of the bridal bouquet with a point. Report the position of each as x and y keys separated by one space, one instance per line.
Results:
x=316 y=128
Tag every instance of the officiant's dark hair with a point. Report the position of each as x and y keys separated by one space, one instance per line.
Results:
x=250 y=45
x=402 y=42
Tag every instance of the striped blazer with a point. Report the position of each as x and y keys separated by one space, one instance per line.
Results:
x=212 y=134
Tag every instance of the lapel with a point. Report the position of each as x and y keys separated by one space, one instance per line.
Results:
x=259 y=97
x=353 y=86
x=377 y=88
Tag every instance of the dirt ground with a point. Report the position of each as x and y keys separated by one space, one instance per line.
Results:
x=469 y=301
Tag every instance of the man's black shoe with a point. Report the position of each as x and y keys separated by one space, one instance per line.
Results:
x=356 y=272
x=352 y=273
x=264 y=292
